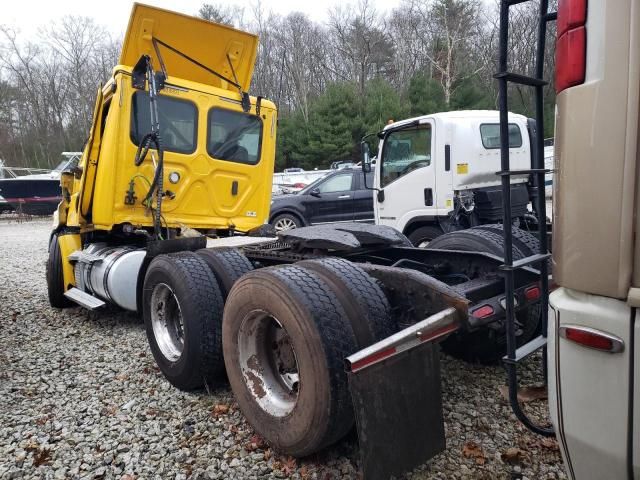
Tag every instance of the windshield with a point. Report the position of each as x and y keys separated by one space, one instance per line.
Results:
x=403 y=152
x=67 y=163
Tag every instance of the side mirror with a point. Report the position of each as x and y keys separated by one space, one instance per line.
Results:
x=315 y=192
x=366 y=157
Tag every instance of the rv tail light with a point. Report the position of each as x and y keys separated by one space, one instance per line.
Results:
x=532 y=293
x=592 y=338
x=483 y=311
x=571 y=14
x=571 y=45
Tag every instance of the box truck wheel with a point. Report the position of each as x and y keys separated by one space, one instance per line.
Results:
x=182 y=309
x=487 y=345
x=227 y=264
x=360 y=296
x=285 y=337
x=55 y=279
x=421 y=236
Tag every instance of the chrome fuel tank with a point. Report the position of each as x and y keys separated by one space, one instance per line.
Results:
x=110 y=273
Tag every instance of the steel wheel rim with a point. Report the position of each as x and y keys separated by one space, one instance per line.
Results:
x=268 y=363
x=167 y=322
x=284 y=224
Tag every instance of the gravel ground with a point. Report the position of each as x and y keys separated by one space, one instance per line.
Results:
x=82 y=398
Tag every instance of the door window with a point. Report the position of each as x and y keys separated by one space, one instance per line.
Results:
x=337 y=183
x=403 y=152
x=234 y=136
x=490 y=133
x=178 y=122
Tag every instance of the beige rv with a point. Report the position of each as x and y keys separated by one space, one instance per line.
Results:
x=594 y=324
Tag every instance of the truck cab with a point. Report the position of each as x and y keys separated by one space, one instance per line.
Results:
x=437 y=173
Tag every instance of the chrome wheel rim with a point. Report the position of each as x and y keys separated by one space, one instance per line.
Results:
x=268 y=363
x=284 y=224
x=167 y=322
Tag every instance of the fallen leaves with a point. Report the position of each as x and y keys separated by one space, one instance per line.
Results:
x=256 y=442
x=512 y=455
x=219 y=410
x=550 y=443
x=287 y=465
x=42 y=457
x=473 y=450
x=526 y=394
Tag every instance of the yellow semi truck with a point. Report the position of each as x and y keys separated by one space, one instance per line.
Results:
x=316 y=328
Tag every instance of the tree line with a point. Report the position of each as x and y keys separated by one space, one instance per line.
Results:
x=333 y=82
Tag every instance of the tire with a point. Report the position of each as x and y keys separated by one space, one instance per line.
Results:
x=54 y=275
x=525 y=241
x=474 y=240
x=286 y=221
x=421 y=236
x=264 y=357
x=487 y=345
x=227 y=265
x=186 y=281
x=362 y=299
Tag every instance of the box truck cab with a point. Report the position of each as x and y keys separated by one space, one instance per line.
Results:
x=437 y=173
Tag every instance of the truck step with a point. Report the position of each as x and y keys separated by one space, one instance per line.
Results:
x=84 y=299
x=508 y=173
x=527 y=349
x=521 y=79
x=84 y=257
x=523 y=262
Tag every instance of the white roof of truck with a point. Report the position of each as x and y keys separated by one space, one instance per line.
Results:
x=492 y=115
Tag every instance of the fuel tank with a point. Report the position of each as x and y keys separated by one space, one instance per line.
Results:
x=110 y=273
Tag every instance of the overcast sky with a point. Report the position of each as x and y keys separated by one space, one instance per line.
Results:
x=114 y=14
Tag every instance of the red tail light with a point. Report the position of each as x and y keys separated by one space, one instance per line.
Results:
x=571 y=46
x=532 y=293
x=571 y=14
x=483 y=312
x=592 y=338
x=299 y=185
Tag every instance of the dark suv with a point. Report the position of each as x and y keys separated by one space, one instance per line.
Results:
x=338 y=197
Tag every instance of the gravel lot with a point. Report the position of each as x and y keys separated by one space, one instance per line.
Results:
x=82 y=398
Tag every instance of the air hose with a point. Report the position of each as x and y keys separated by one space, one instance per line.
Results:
x=149 y=141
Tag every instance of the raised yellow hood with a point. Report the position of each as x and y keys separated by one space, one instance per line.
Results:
x=205 y=42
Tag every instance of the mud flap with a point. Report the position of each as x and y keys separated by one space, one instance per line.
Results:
x=397 y=399
x=398 y=409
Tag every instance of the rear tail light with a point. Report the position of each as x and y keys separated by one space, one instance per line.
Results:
x=483 y=311
x=299 y=185
x=532 y=293
x=571 y=14
x=592 y=338
x=571 y=46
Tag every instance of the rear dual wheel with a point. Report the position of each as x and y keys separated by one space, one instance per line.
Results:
x=182 y=310
x=286 y=332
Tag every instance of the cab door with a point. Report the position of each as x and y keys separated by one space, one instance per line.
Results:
x=332 y=200
x=406 y=176
x=363 y=198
